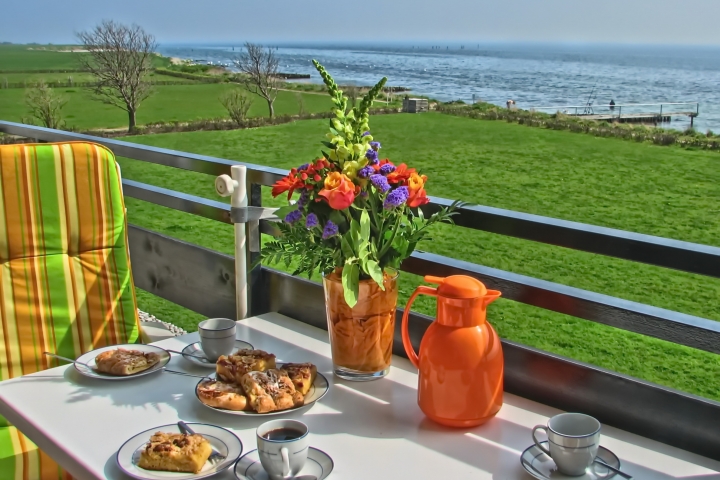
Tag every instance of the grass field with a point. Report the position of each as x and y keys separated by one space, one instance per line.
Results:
x=46 y=57
x=30 y=78
x=656 y=190
x=168 y=103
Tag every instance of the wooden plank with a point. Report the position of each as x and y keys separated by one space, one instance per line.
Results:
x=194 y=277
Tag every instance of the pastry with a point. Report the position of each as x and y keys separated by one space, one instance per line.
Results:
x=302 y=375
x=231 y=368
x=222 y=395
x=175 y=452
x=125 y=362
x=270 y=391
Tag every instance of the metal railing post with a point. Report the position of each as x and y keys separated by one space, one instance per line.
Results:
x=253 y=250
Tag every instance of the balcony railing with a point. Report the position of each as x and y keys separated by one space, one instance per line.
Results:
x=204 y=281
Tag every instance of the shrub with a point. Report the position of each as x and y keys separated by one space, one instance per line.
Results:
x=237 y=105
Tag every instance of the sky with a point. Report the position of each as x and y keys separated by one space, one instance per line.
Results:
x=343 y=21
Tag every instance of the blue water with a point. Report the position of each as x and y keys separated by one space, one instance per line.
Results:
x=532 y=75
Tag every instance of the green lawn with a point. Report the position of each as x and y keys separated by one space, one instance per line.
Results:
x=46 y=57
x=168 y=103
x=656 y=190
x=31 y=78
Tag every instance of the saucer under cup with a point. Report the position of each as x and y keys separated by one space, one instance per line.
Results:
x=318 y=466
x=542 y=467
x=194 y=350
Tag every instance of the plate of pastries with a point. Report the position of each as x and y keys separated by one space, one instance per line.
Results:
x=122 y=362
x=166 y=452
x=251 y=382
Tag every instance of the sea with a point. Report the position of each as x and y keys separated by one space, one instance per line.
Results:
x=572 y=78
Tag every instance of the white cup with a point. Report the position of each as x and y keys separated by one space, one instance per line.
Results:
x=573 y=438
x=217 y=337
x=282 y=457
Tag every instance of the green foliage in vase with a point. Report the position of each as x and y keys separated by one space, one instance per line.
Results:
x=354 y=212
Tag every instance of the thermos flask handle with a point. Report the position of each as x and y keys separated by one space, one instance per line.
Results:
x=405 y=333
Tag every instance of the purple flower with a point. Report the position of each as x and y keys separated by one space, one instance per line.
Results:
x=375 y=146
x=293 y=216
x=363 y=194
x=372 y=157
x=330 y=230
x=311 y=221
x=396 y=198
x=303 y=167
x=302 y=201
x=380 y=182
x=387 y=169
x=366 y=133
x=365 y=172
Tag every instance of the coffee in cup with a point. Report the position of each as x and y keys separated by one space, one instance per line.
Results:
x=217 y=337
x=573 y=439
x=282 y=447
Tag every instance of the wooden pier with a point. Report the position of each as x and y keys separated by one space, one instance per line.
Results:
x=644 y=113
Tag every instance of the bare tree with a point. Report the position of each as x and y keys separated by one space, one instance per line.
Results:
x=237 y=105
x=45 y=105
x=259 y=68
x=119 y=57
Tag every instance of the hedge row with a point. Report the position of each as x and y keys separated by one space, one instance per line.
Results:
x=559 y=121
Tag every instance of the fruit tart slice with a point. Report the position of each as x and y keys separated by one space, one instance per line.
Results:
x=270 y=391
x=302 y=375
x=231 y=368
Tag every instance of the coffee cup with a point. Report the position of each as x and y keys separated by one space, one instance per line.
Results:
x=282 y=447
x=217 y=337
x=573 y=439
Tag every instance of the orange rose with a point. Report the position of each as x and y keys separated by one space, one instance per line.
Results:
x=417 y=195
x=339 y=191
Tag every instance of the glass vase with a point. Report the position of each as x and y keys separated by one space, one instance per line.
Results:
x=361 y=337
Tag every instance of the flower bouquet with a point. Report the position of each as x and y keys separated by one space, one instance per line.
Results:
x=355 y=219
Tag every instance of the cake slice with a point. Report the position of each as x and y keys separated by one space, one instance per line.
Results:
x=270 y=391
x=222 y=395
x=231 y=368
x=175 y=452
x=125 y=362
x=302 y=375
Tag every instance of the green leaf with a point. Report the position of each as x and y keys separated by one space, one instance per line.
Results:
x=347 y=247
x=283 y=211
x=329 y=145
x=374 y=270
x=332 y=130
x=355 y=231
x=364 y=225
x=351 y=283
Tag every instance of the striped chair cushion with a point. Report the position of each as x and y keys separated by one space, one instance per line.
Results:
x=65 y=280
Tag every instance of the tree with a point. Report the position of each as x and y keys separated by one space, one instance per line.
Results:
x=259 y=68
x=45 y=105
x=237 y=105
x=119 y=57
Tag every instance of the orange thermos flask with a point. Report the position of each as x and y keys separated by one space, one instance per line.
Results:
x=460 y=361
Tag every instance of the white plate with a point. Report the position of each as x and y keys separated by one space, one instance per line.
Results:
x=195 y=349
x=539 y=465
x=318 y=390
x=318 y=466
x=89 y=359
x=224 y=441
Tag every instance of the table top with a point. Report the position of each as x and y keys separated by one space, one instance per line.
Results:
x=371 y=430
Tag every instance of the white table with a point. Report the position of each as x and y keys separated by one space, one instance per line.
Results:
x=372 y=430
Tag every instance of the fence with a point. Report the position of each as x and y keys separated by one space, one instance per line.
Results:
x=203 y=280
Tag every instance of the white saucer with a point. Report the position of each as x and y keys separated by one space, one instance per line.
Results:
x=539 y=465
x=318 y=466
x=318 y=390
x=195 y=349
x=222 y=440
x=92 y=372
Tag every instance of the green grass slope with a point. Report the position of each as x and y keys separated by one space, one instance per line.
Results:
x=168 y=103
x=654 y=190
